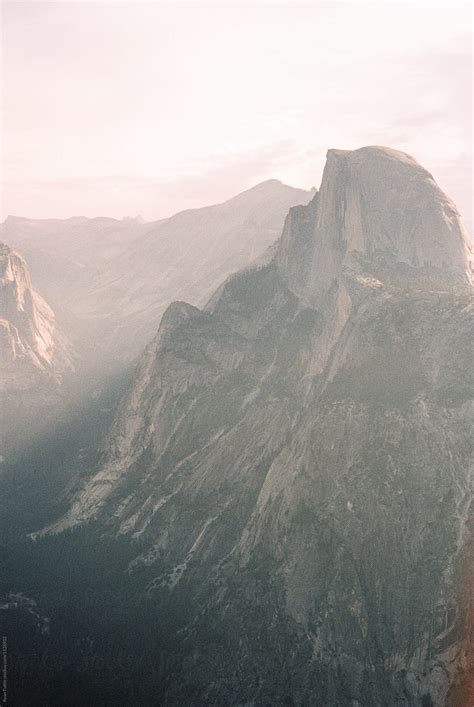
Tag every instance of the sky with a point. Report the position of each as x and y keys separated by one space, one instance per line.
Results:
x=126 y=108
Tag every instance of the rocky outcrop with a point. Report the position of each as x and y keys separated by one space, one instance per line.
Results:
x=380 y=208
x=294 y=459
x=30 y=335
x=34 y=354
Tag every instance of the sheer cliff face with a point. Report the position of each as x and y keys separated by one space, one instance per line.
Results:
x=31 y=341
x=294 y=458
x=34 y=354
x=377 y=210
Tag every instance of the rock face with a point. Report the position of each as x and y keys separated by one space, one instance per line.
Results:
x=34 y=354
x=30 y=335
x=293 y=459
x=380 y=208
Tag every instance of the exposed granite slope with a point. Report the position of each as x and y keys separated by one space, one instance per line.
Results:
x=295 y=459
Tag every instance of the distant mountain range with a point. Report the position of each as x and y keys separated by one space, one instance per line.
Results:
x=110 y=281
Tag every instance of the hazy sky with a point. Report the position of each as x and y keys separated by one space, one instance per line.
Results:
x=120 y=108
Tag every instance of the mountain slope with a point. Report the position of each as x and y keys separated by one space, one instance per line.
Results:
x=185 y=257
x=293 y=460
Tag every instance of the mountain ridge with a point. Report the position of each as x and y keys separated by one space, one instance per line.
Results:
x=111 y=280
